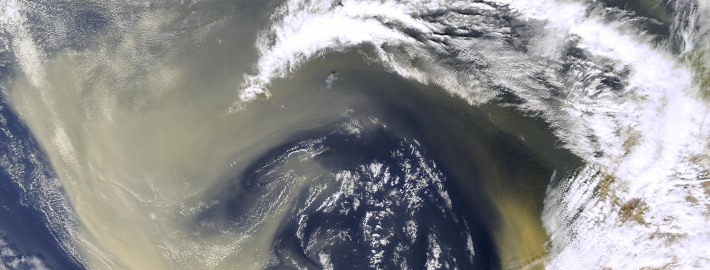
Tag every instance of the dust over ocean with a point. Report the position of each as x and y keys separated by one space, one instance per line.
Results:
x=344 y=134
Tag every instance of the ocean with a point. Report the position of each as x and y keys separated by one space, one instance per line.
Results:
x=343 y=134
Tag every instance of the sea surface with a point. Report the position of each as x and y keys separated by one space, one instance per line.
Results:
x=344 y=134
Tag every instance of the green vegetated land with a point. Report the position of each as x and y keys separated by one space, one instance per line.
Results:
x=699 y=61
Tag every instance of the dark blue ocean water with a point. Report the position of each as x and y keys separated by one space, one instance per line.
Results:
x=28 y=238
x=465 y=150
x=470 y=149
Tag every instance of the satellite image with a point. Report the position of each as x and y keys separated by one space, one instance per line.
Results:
x=354 y=134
